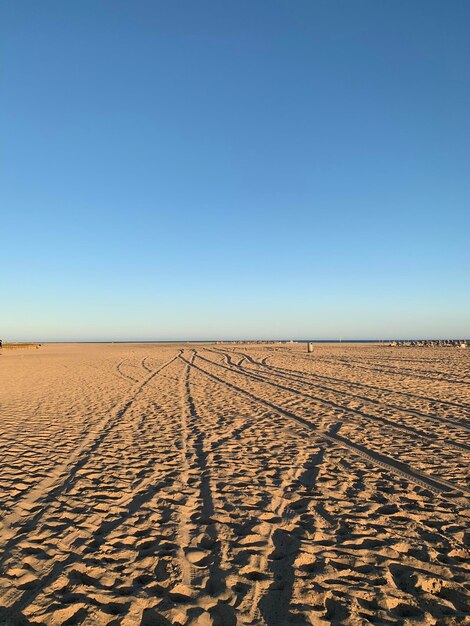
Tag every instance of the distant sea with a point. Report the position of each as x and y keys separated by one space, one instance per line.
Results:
x=285 y=341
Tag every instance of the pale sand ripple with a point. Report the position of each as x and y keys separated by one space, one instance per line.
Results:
x=147 y=484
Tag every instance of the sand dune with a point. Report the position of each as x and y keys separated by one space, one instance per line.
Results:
x=234 y=484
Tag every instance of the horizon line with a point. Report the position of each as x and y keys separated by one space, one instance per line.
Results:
x=240 y=340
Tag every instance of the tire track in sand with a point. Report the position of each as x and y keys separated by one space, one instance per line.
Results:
x=397 y=463
x=30 y=510
x=123 y=374
x=437 y=486
x=202 y=577
x=144 y=364
x=405 y=372
x=462 y=448
x=313 y=379
x=353 y=383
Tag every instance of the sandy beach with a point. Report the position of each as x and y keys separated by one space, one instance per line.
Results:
x=147 y=484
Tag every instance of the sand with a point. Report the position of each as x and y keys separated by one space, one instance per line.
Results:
x=234 y=484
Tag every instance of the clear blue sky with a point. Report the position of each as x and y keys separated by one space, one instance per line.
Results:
x=177 y=170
